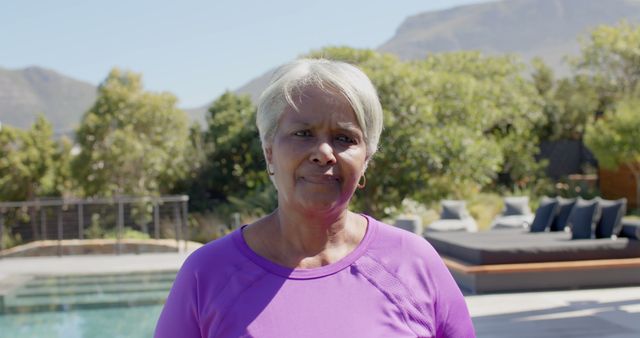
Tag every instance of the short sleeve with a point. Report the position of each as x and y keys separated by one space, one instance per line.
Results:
x=179 y=317
x=452 y=315
x=433 y=293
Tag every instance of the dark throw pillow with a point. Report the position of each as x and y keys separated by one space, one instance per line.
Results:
x=630 y=231
x=583 y=218
x=514 y=206
x=544 y=214
x=452 y=209
x=562 y=214
x=611 y=213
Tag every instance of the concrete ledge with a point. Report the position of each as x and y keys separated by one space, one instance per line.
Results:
x=70 y=247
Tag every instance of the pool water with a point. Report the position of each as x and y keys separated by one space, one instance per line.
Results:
x=95 y=323
x=114 y=305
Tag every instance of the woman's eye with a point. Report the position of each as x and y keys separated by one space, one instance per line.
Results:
x=347 y=139
x=302 y=133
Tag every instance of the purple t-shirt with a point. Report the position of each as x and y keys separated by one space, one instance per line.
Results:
x=393 y=284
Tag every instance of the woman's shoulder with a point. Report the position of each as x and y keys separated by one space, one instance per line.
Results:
x=404 y=242
x=403 y=253
x=215 y=256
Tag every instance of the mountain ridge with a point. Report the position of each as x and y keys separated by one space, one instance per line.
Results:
x=545 y=28
x=27 y=92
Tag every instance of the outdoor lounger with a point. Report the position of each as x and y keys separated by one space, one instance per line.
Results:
x=591 y=254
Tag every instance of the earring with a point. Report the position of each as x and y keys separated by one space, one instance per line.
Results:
x=364 y=182
x=269 y=171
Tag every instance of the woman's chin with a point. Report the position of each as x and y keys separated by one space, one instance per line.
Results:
x=322 y=206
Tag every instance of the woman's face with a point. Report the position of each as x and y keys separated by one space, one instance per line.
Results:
x=318 y=153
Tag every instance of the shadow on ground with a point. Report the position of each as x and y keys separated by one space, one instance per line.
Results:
x=583 y=319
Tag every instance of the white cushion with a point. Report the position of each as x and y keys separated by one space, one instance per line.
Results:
x=511 y=222
x=467 y=224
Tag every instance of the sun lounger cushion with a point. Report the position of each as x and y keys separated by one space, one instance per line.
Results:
x=445 y=225
x=513 y=221
x=409 y=223
x=630 y=229
x=583 y=218
x=511 y=246
x=454 y=217
x=452 y=209
x=516 y=205
x=611 y=213
x=562 y=214
x=544 y=214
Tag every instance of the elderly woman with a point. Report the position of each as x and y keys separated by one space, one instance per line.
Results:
x=312 y=268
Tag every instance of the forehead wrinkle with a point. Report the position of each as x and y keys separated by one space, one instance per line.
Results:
x=347 y=126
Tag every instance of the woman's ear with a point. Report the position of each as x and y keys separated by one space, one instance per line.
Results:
x=366 y=164
x=267 y=154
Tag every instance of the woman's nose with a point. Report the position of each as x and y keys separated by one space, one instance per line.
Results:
x=323 y=154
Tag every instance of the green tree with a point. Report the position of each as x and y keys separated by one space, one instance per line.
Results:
x=543 y=77
x=132 y=142
x=234 y=167
x=568 y=104
x=61 y=178
x=614 y=139
x=610 y=58
x=26 y=157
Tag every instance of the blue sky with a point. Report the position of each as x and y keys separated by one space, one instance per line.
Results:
x=194 y=49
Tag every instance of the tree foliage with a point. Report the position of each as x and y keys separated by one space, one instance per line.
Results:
x=234 y=168
x=614 y=139
x=595 y=103
x=568 y=103
x=612 y=58
x=62 y=181
x=607 y=70
x=131 y=141
x=26 y=161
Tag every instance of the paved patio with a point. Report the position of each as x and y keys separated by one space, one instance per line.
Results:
x=613 y=313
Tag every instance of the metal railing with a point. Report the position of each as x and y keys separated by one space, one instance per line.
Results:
x=59 y=219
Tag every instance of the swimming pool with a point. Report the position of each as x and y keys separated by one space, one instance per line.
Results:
x=114 y=305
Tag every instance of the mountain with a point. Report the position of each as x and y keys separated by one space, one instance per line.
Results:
x=25 y=93
x=252 y=88
x=546 y=28
x=549 y=29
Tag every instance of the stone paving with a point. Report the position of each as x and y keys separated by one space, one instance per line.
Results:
x=612 y=312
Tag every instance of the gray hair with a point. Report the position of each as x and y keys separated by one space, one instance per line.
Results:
x=346 y=79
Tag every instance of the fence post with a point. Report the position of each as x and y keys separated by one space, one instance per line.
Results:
x=185 y=224
x=156 y=219
x=119 y=227
x=176 y=225
x=34 y=226
x=1 y=232
x=80 y=220
x=60 y=211
x=43 y=223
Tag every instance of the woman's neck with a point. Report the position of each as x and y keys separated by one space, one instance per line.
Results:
x=302 y=241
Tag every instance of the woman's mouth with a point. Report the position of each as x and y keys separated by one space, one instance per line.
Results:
x=321 y=179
